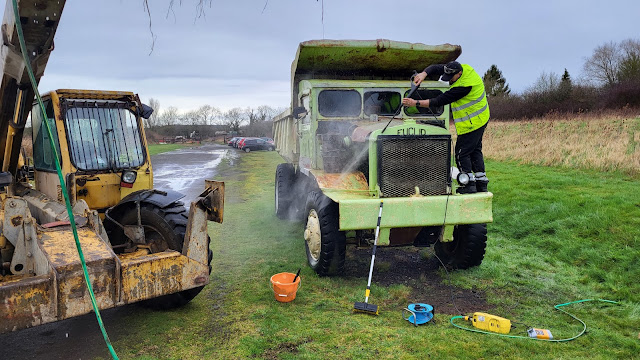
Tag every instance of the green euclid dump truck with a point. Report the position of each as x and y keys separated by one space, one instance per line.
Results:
x=349 y=143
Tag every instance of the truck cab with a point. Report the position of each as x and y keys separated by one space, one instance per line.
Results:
x=349 y=143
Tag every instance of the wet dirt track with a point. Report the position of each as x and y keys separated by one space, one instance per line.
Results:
x=185 y=170
x=182 y=170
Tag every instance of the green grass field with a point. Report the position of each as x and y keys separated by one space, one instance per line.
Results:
x=559 y=235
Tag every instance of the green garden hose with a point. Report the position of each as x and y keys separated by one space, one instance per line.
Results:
x=34 y=85
x=557 y=307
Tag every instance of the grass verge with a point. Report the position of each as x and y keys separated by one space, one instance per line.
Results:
x=559 y=235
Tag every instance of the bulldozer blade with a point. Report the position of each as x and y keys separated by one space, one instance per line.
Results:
x=56 y=289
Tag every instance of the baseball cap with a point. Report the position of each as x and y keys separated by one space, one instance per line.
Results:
x=451 y=69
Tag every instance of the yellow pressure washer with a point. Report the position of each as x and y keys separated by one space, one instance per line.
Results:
x=495 y=325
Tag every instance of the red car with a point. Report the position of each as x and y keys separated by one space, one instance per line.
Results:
x=240 y=142
x=232 y=141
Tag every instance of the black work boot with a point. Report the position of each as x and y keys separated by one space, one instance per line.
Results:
x=470 y=188
x=481 y=185
x=481 y=181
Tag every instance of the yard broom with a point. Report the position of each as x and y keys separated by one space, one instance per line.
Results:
x=365 y=307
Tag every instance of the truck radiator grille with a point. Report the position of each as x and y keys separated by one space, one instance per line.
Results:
x=405 y=162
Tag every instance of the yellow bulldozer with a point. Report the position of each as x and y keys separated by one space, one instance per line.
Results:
x=140 y=244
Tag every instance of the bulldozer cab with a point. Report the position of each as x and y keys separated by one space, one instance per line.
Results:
x=146 y=248
x=100 y=140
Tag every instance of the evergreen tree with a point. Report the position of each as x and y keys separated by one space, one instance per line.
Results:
x=566 y=86
x=494 y=83
x=566 y=77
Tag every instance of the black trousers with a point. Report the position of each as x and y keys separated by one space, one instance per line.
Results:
x=469 y=151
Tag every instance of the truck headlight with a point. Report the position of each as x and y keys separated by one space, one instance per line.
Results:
x=463 y=178
x=128 y=178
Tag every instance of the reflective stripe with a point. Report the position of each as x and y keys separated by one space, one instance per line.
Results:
x=473 y=114
x=471 y=103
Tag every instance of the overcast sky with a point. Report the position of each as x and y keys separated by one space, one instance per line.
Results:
x=240 y=55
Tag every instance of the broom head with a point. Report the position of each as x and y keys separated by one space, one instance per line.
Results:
x=366 y=308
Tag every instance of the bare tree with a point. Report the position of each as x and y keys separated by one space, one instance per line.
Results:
x=547 y=82
x=234 y=118
x=603 y=66
x=153 y=120
x=260 y=114
x=207 y=114
x=169 y=117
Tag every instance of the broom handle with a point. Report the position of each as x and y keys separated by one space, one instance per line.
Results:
x=373 y=255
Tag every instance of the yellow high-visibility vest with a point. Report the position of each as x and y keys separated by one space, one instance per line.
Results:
x=472 y=111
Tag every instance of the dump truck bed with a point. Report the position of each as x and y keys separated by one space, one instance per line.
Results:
x=380 y=59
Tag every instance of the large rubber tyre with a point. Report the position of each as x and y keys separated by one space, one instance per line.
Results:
x=467 y=248
x=284 y=194
x=325 y=244
x=164 y=228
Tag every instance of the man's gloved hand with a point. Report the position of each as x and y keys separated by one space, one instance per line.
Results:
x=419 y=78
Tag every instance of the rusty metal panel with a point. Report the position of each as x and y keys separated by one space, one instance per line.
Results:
x=347 y=181
x=73 y=297
x=196 y=242
x=26 y=302
x=148 y=276
x=95 y=94
x=60 y=247
x=212 y=200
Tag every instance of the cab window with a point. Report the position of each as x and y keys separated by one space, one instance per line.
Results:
x=424 y=94
x=339 y=103
x=43 y=155
x=384 y=103
x=103 y=135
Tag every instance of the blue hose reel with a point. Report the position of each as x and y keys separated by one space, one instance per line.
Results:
x=418 y=314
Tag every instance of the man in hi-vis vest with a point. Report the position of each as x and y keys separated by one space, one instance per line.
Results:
x=470 y=114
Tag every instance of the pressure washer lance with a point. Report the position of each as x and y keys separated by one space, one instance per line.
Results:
x=414 y=87
x=365 y=307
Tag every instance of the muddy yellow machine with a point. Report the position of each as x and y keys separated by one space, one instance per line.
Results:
x=139 y=244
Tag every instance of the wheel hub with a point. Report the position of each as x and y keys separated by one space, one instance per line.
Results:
x=312 y=234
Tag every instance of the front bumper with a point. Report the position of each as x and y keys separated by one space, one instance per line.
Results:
x=359 y=214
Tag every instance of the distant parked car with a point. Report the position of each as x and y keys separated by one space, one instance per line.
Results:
x=232 y=141
x=240 y=141
x=268 y=139
x=236 y=144
x=256 y=144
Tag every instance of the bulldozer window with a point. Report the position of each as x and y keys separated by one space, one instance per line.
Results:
x=43 y=155
x=103 y=136
x=339 y=103
x=384 y=103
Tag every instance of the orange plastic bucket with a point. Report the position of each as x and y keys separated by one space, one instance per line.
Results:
x=284 y=289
